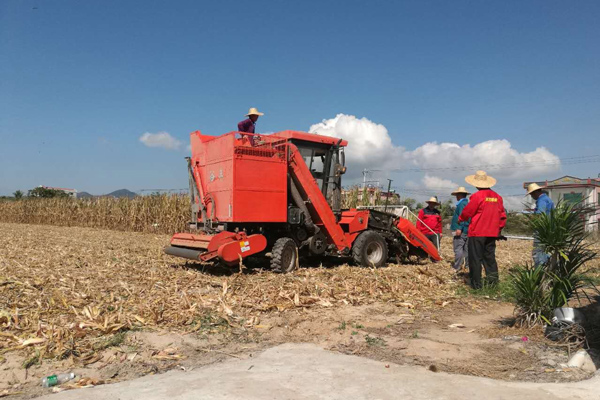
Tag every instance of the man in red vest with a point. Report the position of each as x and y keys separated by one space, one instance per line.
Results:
x=488 y=218
x=429 y=221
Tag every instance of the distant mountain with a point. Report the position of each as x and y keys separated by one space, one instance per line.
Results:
x=122 y=193
x=84 y=195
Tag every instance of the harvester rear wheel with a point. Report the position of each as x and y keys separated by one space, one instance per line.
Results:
x=370 y=250
x=284 y=256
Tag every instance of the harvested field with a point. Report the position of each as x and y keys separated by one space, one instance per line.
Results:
x=64 y=288
x=68 y=296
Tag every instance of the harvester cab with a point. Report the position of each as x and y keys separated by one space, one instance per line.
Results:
x=279 y=195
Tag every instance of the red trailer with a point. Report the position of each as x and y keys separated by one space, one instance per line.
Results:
x=281 y=194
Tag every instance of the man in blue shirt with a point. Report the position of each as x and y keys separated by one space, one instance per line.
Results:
x=543 y=205
x=459 y=230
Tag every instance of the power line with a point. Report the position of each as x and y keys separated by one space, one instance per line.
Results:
x=164 y=190
x=561 y=161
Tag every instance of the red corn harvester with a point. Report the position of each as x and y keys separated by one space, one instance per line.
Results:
x=281 y=194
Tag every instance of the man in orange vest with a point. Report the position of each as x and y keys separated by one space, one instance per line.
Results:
x=488 y=218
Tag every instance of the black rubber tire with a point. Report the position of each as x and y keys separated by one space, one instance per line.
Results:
x=284 y=255
x=370 y=250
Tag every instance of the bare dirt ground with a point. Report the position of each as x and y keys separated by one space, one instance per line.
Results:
x=110 y=306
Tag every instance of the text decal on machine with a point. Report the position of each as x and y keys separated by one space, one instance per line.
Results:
x=244 y=246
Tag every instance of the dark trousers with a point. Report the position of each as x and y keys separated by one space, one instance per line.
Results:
x=435 y=239
x=482 y=251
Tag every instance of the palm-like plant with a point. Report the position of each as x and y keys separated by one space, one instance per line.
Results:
x=530 y=295
x=540 y=289
x=559 y=230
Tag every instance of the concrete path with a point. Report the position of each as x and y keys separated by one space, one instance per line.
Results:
x=304 y=371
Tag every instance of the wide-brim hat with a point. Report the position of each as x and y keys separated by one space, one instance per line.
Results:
x=480 y=180
x=532 y=188
x=433 y=200
x=459 y=191
x=253 y=111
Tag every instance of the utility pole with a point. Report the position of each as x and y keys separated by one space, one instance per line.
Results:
x=387 y=196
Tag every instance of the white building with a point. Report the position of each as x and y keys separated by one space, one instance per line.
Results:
x=576 y=191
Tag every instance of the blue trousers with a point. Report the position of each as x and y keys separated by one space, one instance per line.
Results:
x=538 y=255
x=461 y=251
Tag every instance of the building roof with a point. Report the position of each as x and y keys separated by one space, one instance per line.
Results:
x=566 y=181
x=57 y=188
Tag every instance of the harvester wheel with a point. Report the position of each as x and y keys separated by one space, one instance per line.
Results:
x=370 y=250
x=284 y=256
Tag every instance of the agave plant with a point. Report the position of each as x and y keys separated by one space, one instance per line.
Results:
x=530 y=295
x=540 y=289
x=559 y=230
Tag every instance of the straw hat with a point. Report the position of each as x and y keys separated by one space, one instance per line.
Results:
x=460 y=190
x=253 y=111
x=532 y=188
x=480 y=180
x=433 y=200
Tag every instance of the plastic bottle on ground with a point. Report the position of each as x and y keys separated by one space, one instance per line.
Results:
x=59 y=379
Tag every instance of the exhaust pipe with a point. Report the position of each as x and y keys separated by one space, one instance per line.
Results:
x=182 y=252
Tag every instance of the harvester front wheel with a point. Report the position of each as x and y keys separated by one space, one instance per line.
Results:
x=284 y=256
x=370 y=250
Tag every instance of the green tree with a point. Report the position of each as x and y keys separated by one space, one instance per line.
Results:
x=46 y=193
x=365 y=197
x=408 y=202
x=18 y=194
x=378 y=200
x=447 y=209
x=353 y=201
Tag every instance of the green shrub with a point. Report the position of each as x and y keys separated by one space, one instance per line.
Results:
x=542 y=288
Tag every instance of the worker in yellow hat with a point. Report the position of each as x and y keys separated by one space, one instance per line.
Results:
x=543 y=205
x=487 y=217
x=429 y=221
x=459 y=230
x=249 y=124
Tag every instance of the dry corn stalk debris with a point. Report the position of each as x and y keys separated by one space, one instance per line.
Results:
x=67 y=291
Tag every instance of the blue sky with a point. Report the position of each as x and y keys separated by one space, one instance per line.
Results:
x=81 y=81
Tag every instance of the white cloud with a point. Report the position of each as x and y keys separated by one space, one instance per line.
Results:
x=370 y=146
x=369 y=142
x=160 y=139
x=434 y=182
x=514 y=203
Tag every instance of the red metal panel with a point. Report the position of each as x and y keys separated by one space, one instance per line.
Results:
x=417 y=239
x=260 y=189
x=242 y=247
x=320 y=211
x=191 y=240
x=310 y=137
x=242 y=181
x=357 y=220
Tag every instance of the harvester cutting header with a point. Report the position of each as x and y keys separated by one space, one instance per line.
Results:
x=281 y=194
